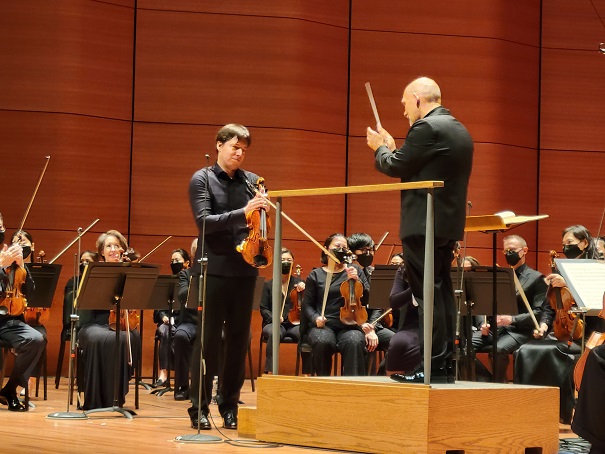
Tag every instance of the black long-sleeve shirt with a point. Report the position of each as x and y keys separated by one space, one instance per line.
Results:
x=266 y=302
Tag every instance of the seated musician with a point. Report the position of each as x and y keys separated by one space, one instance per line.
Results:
x=69 y=292
x=396 y=259
x=178 y=261
x=513 y=330
x=97 y=342
x=184 y=334
x=287 y=328
x=377 y=336
x=27 y=343
x=328 y=334
x=550 y=361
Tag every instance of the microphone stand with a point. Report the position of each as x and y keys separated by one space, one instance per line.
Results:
x=73 y=318
x=203 y=261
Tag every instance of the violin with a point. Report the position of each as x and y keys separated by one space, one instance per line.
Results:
x=132 y=317
x=565 y=325
x=38 y=316
x=352 y=312
x=593 y=341
x=255 y=249
x=12 y=301
x=296 y=297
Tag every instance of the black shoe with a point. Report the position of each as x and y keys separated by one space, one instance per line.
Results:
x=11 y=400
x=417 y=376
x=230 y=419
x=181 y=394
x=158 y=383
x=204 y=423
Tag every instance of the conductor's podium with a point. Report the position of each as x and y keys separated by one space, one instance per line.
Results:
x=378 y=415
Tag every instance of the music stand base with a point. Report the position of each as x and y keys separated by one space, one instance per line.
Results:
x=145 y=385
x=161 y=392
x=123 y=411
x=67 y=415
x=199 y=438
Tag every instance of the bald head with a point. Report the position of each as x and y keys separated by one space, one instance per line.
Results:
x=426 y=89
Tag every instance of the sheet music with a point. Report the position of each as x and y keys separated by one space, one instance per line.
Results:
x=586 y=282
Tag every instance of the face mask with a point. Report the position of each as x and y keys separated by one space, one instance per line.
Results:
x=286 y=267
x=365 y=260
x=512 y=258
x=176 y=267
x=340 y=253
x=572 y=251
x=27 y=250
x=1 y=237
x=82 y=266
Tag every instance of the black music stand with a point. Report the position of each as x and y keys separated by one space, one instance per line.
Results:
x=165 y=293
x=383 y=278
x=45 y=277
x=107 y=286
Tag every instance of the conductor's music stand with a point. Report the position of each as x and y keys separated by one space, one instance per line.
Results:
x=165 y=292
x=493 y=224
x=116 y=286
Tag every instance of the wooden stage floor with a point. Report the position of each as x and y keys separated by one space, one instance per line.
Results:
x=159 y=421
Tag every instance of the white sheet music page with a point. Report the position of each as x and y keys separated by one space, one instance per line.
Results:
x=585 y=280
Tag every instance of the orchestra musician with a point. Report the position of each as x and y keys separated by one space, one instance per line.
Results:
x=550 y=361
x=396 y=259
x=97 y=342
x=513 y=330
x=287 y=329
x=185 y=334
x=328 y=334
x=437 y=147
x=27 y=343
x=179 y=261
x=69 y=292
x=220 y=199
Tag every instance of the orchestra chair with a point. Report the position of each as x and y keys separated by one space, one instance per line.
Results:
x=5 y=349
x=263 y=341
x=305 y=347
x=65 y=339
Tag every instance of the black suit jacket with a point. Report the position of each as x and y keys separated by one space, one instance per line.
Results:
x=437 y=147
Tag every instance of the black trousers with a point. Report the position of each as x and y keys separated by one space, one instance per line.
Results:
x=162 y=333
x=182 y=346
x=507 y=344
x=229 y=307
x=293 y=332
x=444 y=311
x=28 y=345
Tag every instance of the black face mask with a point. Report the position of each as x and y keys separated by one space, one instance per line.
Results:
x=572 y=251
x=1 y=237
x=27 y=250
x=365 y=259
x=286 y=267
x=512 y=258
x=340 y=253
x=176 y=267
x=83 y=267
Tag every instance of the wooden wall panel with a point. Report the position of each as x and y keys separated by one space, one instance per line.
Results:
x=67 y=56
x=573 y=25
x=195 y=68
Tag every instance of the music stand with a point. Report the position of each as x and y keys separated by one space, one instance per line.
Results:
x=493 y=224
x=165 y=292
x=45 y=277
x=125 y=285
x=383 y=278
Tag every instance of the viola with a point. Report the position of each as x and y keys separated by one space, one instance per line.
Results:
x=12 y=301
x=352 y=312
x=565 y=325
x=132 y=317
x=296 y=297
x=255 y=249
x=593 y=341
x=38 y=316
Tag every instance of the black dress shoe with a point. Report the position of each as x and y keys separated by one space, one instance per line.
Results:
x=11 y=400
x=158 y=383
x=181 y=394
x=204 y=423
x=230 y=419
x=417 y=376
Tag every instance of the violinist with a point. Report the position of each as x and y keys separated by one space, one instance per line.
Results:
x=27 y=343
x=69 y=292
x=513 y=330
x=328 y=334
x=221 y=198
x=550 y=361
x=288 y=284
x=185 y=333
x=97 y=342
x=178 y=261
x=396 y=259
x=377 y=336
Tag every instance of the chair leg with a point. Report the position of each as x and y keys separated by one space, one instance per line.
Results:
x=156 y=359
x=60 y=362
x=45 y=372
x=250 y=365
x=3 y=353
x=260 y=356
x=298 y=355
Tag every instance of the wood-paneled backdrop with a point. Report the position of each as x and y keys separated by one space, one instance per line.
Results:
x=126 y=97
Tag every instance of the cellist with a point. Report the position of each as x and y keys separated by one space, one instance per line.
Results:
x=327 y=333
x=26 y=342
x=287 y=328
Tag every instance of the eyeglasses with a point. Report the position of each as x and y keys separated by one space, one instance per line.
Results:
x=367 y=250
x=506 y=251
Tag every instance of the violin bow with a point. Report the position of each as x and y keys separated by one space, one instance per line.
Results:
x=154 y=249
x=283 y=303
x=80 y=235
x=384 y=237
x=373 y=104
x=331 y=266
x=387 y=312
x=524 y=298
x=31 y=201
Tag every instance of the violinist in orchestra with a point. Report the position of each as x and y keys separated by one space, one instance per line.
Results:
x=377 y=336
x=396 y=259
x=437 y=147
x=185 y=333
x=549 y=360
x=221 y=199
x=599 y=244
x=70 y=290
x=289 y=284
x=513 y=330
x=27 y=343
x=179 y=261
x=97 y=341
x=328 y=334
